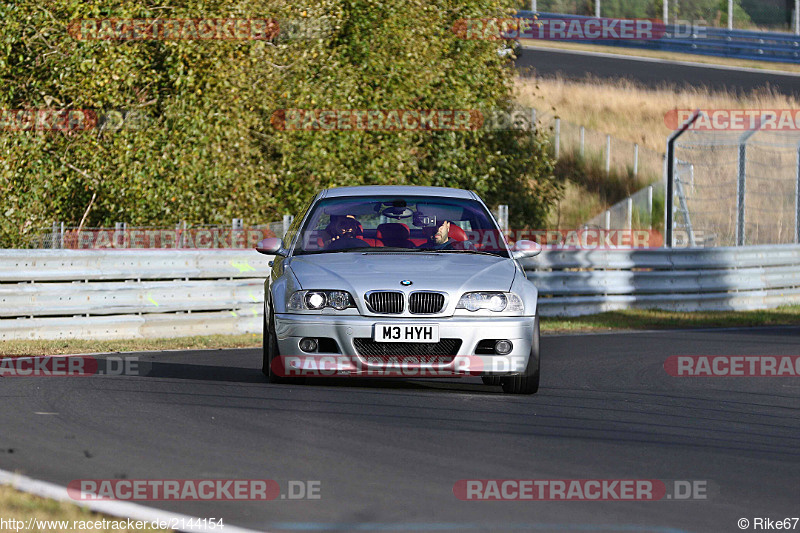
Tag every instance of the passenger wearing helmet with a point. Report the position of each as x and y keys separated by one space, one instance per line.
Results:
x=345 y=232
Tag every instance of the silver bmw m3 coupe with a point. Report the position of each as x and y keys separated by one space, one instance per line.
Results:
x=400 y=281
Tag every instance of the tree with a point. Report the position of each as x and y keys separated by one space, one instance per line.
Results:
x=204 y=149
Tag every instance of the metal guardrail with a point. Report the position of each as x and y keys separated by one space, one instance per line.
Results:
x=741 y=44
x=573 y=283
x=53 y=294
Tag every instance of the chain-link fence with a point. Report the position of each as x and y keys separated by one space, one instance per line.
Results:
x=601 y=150
x=642 y=210
x=738 y=188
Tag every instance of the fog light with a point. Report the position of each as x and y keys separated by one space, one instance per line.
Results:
x=503 y=347
x=308 y=345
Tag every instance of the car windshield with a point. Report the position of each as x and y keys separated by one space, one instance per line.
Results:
x=400 y=223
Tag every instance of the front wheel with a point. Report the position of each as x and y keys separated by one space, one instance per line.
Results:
x=269 y=348
x=528 y=382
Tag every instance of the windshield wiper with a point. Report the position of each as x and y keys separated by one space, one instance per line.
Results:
x=495 y=254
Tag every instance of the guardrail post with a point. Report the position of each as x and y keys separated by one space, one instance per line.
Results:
x=635 y=160
x=583 y=140
x=558 y=138
x=608 y=154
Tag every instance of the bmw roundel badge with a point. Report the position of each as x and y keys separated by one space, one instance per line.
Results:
x=406 y=282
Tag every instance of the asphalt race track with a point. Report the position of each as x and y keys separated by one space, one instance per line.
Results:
x=650 y=73
x=388 y=453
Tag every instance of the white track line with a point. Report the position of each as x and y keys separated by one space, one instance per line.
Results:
x=663 y=61
x=119 y=509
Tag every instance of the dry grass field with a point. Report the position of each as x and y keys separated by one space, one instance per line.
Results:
x=632 y=113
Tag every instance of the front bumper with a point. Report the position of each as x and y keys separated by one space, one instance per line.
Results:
x=290 y=328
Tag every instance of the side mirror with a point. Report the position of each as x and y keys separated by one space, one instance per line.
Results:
x=270 y=246
x=524 y=249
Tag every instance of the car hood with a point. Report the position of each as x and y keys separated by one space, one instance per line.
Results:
x=453 y=273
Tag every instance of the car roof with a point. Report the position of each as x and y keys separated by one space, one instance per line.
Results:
x=410 y=190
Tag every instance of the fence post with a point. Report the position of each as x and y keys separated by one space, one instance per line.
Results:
x=797 y=200
x=741 y=184
x=650 y=207
x=502 y=216
x=558 y=138
x=597 y=8
x=797 y=17
x=635 y=160
x=670 y=181
x=608 y=219
x=608 y=154
x=287 y=221
x=583 y=140
x=629 y=213
x=61 y=237
x=730 y=14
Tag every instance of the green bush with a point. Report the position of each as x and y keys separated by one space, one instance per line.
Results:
x=207 y=151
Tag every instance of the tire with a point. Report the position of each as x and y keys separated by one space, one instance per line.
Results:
x=528 y=383
x=493 y=381
x=269 y=348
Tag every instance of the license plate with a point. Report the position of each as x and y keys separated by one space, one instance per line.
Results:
x=406 y=333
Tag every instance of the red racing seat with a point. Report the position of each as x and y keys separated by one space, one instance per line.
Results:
x=395 y=235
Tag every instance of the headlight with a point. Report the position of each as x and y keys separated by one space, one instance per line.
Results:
x=316 y=300
x=491 y=301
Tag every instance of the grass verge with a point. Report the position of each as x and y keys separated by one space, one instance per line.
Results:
x=21 y=506
x=72 y=346
x=615 y=320
x=634 y=319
